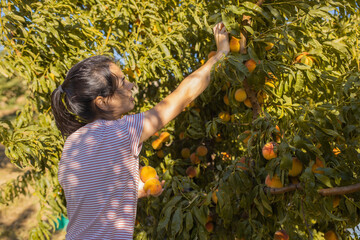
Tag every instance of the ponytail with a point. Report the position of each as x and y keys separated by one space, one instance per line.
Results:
x=66 y=121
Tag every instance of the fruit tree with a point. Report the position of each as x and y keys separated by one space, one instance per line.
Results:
x=270 y=150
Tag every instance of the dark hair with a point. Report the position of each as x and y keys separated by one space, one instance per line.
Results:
x=72 y=103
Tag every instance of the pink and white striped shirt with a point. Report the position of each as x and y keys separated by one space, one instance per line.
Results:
x=99 y=172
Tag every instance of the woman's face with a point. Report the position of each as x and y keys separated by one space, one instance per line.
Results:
x=122 y=101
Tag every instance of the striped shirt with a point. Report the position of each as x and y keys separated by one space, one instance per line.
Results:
x=99 y=172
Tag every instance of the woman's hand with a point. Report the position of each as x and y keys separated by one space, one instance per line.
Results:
x=221 y=38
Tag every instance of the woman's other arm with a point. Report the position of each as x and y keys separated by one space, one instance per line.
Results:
x=189 y=89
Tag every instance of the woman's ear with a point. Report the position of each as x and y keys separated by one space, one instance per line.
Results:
x=100 y=103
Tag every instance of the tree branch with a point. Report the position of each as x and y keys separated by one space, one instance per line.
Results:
x=324 y=192
x=340 y=190
x=250 y=92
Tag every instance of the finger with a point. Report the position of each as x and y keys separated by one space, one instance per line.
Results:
x=148 y=193
x=162 y=183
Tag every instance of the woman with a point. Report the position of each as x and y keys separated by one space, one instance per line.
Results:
x=99 y=167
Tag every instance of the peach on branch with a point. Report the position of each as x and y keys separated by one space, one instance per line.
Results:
x=250 y=65
x=192 y=172
x=194 y=158
x=330 y=235
x=164 y=137
x=214 y=197
x=201 y=151
x=157 y=144
x=185 y=153
x=273 y=182
x=281 y=235
x=269 y=150
x=240 y=95
x=160 y=154
x=296 y=168
x=318 y=164
x=209 y=227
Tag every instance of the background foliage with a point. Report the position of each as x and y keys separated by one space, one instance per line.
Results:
x=158 y=43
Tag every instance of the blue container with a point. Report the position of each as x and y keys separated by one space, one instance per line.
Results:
x=61 y=223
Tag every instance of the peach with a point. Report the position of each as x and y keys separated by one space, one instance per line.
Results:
x=194 y=158
x=240 y=95
x=160 y=154
x=336 y=201
x=154 y=185
x=157 y=144
x=214 y=197
x=209 y=227
x=273 y=182
x=164 y=137
x=192 y=172
x=269 y=151
x=246 y=140
x=330 y=235
x=201 y=151
x=269 y=46
x=281 y=235
x=296 y=168
x=226 y=100
x=185 y=153
x=317 y=164
x=251 y=65
x=247 y=103
x=147 y=172
x=181 y=135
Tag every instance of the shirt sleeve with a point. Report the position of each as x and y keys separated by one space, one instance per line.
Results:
x=135 y=127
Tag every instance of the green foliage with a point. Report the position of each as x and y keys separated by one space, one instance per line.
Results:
x=158 y=43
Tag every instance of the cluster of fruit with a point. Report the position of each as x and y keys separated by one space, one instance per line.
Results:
x=151 y=181
x=158 y=143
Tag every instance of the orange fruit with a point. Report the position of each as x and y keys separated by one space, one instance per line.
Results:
x=185 y=153
x=209 y=227
x=269 y=150
x=192 y=171
x=336 y=201
x=153 y=185
x=269 y=46
x=248 y=103
x=296 y=168
x=181 y=135
x=201 y=151
x=234 y=44
x=226 y=100
x=214 y=197
x=164 y=137
x=246 y=140
x=194 y=158
x=273 y=182
x=156 y=144
x=318 y=164
x=240 y=95
x=147 y=172
x=330 y=235
x=281 y=235
x=251 y=65
x=160 y=154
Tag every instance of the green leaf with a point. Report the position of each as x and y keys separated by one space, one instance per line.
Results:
x=177 y=220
